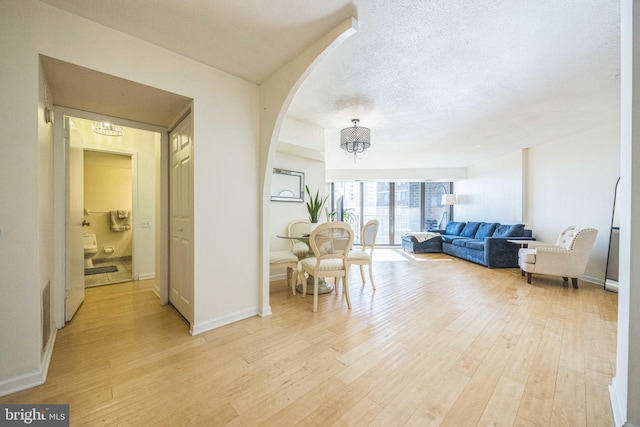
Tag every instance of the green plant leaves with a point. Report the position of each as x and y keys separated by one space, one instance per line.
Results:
x=314 y=205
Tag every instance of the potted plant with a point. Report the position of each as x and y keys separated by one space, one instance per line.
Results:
x=348 y=215
x=314 y=206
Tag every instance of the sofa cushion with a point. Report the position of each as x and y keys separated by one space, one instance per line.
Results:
x=461 y=241
x=454 y=228
x=449 y=238
x=514 y=230
x=470 y=229
x=475 y=244
x=486 y=229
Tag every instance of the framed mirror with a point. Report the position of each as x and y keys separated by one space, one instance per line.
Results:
x=613 y=254
x=287 y=186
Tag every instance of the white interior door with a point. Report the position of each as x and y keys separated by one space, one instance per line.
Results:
x=181 y=218
x=74 y=291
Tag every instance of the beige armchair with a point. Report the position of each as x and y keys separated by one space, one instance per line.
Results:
x=567 y=258
x=296 y=227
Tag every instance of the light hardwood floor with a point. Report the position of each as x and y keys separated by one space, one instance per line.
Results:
x=441 y=342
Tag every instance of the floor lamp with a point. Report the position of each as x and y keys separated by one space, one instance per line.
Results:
x=447 y=200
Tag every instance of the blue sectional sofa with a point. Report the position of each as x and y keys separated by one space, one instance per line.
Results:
x=412 y=244
x=484 y=243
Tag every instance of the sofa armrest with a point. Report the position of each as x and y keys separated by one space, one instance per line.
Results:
x=433 y=230
x=560 y=261
x=500 y=253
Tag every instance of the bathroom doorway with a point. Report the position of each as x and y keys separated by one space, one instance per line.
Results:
x=108 y=210
x=121 y=204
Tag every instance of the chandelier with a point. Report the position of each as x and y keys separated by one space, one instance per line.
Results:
x=106 y=128
x=355 y=140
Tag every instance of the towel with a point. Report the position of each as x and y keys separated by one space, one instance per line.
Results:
x=120 y=220
x=421 y=237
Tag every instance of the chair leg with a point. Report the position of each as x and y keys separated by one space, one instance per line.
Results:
x=566 y=279
x=345 y=289
x=528 y=277
x=522 y=273
x=303 y=280
x=574 y=282
x=362 y=274
x=373 y=285
x=295 y=276
x=289 y=276
x=315 y=294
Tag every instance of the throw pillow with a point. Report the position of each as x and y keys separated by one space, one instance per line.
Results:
x=515 y=230
x=470 y=229
x=486 y=229
x=454 y=228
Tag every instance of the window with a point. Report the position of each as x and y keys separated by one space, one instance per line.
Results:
x=399 y=207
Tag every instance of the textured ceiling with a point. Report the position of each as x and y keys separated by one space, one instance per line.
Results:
x=440 y=83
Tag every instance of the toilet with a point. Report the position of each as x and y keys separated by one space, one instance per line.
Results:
x=90 y=249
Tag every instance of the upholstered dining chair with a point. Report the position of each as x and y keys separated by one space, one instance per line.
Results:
x=330 y=243
x=365 y=255
x=288 y=260
x=567 y=258
x=297 y=227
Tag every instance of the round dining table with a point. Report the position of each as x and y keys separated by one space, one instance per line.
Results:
x=323 y=286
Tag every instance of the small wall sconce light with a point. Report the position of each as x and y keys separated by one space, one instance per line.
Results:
x=48 y=115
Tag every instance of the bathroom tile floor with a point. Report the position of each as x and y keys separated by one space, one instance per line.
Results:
x=122 y=275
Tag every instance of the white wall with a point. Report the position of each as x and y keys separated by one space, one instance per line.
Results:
x=24 y=261
x=283 y=212
x=492 y=191
x=309 y=138
x=571 y=181
x=625 y=387
x=225 y=109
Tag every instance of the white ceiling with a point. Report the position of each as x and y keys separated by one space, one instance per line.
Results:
x=441 y=83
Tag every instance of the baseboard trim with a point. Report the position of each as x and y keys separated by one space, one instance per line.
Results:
x=146 y=276
x=33 y=379
x=208 y=325
x=609 y=286
x=616 y=405
x=265 y=311
x=280 y=276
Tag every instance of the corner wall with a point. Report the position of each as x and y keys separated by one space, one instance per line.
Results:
x=571 y=181
x=624 y=390
x=295 y=134
x=568 y=181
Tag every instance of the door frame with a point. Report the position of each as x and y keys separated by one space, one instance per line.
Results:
x=60 y=217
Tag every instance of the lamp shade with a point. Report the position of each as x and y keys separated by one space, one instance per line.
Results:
x=448 y=199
